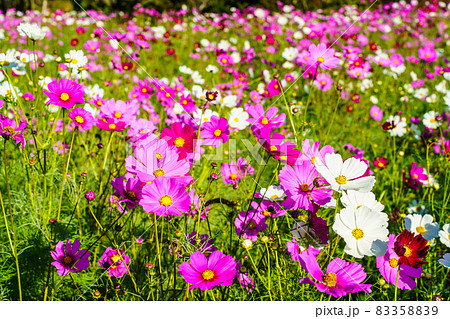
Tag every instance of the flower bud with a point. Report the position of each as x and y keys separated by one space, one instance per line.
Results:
x=247 y=244
x=90 y=195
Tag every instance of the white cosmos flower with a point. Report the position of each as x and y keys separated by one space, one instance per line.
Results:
x=197 y=78
x=76 y=59
x=355 y=200
x=238 y=118
x=364 y=231
x=399 y=125
x=273 y=193
x=212 y=69
x=290 y=53
x=229 y=101
x=444 y=235
x=32 y=31
x=422 y=224
x=445 y=261
x=429 y=120
x=185 y=69
x=345 y=175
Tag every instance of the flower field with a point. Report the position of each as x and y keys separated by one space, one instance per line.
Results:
x=249 y=155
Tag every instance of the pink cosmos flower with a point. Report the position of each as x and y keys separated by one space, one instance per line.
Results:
x=376 y=113
x=10 y=130
x=274 y=144
x=182 y=137
x=28 y=97
x=70 y=259
x=65 y=93
x=82 y=118
x=397 y=60
x=92 y=46
x=225 y=59
x=301 y=184
x=323 y=57
x=250 y=224
x=207 y=272
x=311 y=153
x=165 y=196
x=129 y=192
x=273 y=88
x=267 y=208
x=428 y=54
x=244 y=279
x=323 y=81
x=389 y=267
x=261 y=119
x=255 y=96
x=341 y=278
x=115 y=262
x=215 y=132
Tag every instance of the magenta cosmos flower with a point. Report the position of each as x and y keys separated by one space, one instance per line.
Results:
x=215 y=132
x=311 y=153
x=428 y=54
x=301 y=184
x=322 y=57
x=70 y=259
x=418 y=173
x=341 y=278
x=182 y=137
x=261 y=119
x=389 y=266
x=115 y=262
x=165 y=196
x=250 y=224
x=82 y=118
x=10 y=130
x=129 y=191
x=65 y=93
x=206 y=273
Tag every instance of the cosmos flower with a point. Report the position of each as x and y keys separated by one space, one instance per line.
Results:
x=275 y=145
x=389 y=267
x=182 y=137
x=423 y=225
x=129 y=191
x=301 y=185
x=65 y=93
x=376 y=113
x=82 y=118
x=428 y=54
x=10 y=130
x=69 y=259
x=340 y=279
x=250 y=224
x=272 y=193
x=444 y=235
x=312 y=152
x=380 y=162
x=363 y=230
x=356 y=200
x=261 y=119
x=32 y=31
x=244 y=279
x=322 y=56
x=215 y=132
x=207 y=272
x=115 y=261
x=411 y=249
x=238 y=118
x=345 y=175
x=165 y=197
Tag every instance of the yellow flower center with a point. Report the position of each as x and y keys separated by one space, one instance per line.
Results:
x=166 y=200
x=393 y=262
x=264 y=121
x=233 y=176
x=74 y=61
x=274 y=197
x=421 y=230
x=179 y=142
x=112 y=126
x=217 y=133
x=224 y=60
x=273 y=148
x=67 y=260
x=208 y=275
x=320 y=59
x=159 y=172
x=79 y=119
x=144 y=90
x=432 y=121
x=330 y=279
x=408 y=251
x=358 y=233
x=323 y=82
x=184 y=102
x=210 y=96
x=236 y=119
x=117 y=115
x=158 y=155
x=313 y=160
x=92 y=48
x=341 y=180
x=65 y=96
x=115 y=258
